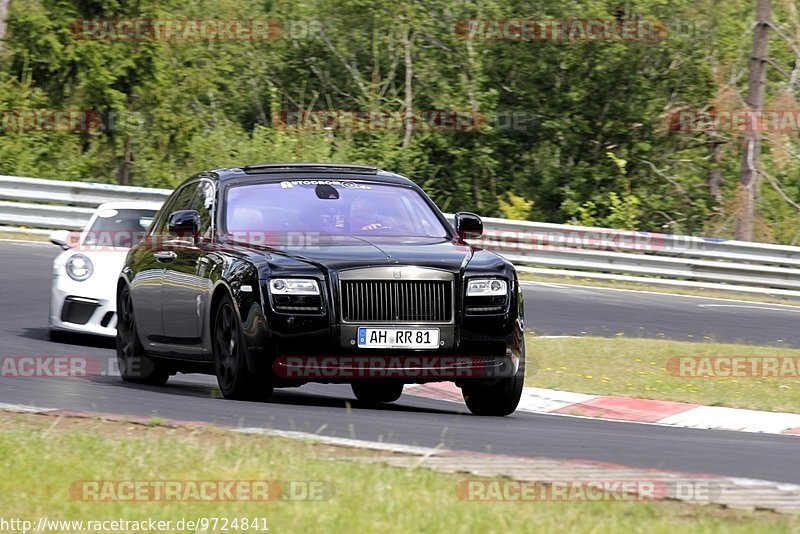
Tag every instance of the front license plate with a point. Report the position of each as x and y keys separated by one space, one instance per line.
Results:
x=398 y=338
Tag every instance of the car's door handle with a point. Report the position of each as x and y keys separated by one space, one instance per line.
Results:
x=165 y=256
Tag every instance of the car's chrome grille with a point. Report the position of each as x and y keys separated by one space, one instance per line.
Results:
x=392 y=301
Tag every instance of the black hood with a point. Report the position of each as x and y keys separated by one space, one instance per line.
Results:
x=342 y=252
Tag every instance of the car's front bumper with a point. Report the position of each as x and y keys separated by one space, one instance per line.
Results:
x=334 y=356
x=82 y=308
x=323 y=348
x=404 y=366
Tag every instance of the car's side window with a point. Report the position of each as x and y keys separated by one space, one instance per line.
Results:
x=182 y=201
x=185 y=198
x=203 y=202
x=161 y=218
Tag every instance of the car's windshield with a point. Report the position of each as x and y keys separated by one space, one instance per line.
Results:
x=330 y=207
x=119 y=227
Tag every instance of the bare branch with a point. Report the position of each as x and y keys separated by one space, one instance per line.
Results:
x=796 y=21
x=390 y=75
x=777 y=187
x=326 y=82
x=352 y=69
x=670 y=179
x=778 y=68
x=784 y=37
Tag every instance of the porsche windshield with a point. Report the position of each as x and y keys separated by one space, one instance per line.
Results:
x=119 y=227
x=330 y=207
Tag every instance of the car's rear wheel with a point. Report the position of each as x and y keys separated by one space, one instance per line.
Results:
x=134 y=364
x=498 y=399
x=230 y=361
x=377 y=392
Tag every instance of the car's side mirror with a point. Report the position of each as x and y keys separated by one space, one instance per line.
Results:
x=468 y=225
x=184 y=223
x=61 y=238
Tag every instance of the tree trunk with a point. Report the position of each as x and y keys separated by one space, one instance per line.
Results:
x=714 y=143
x=471 y=75
x=124 y=173
x=476 y=191
x=409 y=88
x=3 y=16
x=748 y=179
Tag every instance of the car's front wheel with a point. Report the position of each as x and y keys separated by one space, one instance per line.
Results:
x=230 y=361
x=377 y=392
x=498 y=399
x=134 y=364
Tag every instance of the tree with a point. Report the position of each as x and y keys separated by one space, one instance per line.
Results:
x=547 y=112
x=3 y=14
x=749 y=177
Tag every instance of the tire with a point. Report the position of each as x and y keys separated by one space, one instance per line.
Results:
x=134 y=364
x=377 y=392
x=230 y=361
x=499 y=399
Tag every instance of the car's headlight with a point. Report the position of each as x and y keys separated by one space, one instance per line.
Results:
x=293 y=286
x=79 y=267
x=486 y=287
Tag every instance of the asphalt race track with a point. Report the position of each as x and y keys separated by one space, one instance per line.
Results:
x=331 y=410
x=554 y=309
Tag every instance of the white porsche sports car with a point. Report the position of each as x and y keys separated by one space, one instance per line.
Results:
x=85 y=275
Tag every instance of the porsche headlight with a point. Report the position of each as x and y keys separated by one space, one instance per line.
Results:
x=79 y=267
x=293 y=286
x=486 y=287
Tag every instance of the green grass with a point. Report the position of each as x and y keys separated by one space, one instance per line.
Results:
x=637 y=368
x=644 y=286
x=23 y=236
x=41 y=456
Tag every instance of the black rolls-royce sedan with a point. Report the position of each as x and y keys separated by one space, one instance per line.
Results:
x=281 y=274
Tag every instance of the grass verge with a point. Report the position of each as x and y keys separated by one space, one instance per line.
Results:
x=639 y=368
x=654 y=288
x=42 y=455
x=20 y=236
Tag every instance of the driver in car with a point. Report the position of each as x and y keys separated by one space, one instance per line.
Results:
x=364 y=216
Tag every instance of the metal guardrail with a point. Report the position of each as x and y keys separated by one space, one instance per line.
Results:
x=41 y=205
x=74 y=193
x=540 y=248
x=653 y=258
